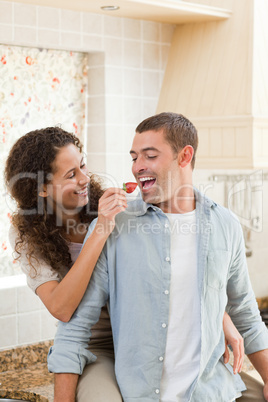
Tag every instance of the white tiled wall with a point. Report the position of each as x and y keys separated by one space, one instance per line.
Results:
x=23 y=318
x=126 y=67
x=135 y=55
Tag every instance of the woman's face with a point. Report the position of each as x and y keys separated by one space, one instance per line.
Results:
x=68 y=188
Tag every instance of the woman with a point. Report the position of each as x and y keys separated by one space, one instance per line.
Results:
x=57 y=199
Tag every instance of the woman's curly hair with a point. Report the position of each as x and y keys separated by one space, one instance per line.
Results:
x=28 y=166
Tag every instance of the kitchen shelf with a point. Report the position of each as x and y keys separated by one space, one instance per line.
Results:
x=168 y=11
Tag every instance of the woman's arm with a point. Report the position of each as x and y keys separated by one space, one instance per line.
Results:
x=233 y=338
x=62 y=298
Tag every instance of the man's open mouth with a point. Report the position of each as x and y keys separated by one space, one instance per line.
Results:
x=147 y=182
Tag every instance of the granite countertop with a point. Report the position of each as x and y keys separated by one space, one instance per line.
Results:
x=262 y=303
x=24 y=373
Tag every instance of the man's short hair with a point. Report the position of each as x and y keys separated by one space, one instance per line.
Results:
x=179 y=131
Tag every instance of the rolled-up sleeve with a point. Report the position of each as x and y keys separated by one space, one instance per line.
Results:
x=70 y=353
x=242 y=305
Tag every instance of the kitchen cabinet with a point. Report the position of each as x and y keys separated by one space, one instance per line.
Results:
x=216 y=76
x=170 y=11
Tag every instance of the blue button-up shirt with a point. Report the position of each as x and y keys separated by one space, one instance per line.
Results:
x=133 y=275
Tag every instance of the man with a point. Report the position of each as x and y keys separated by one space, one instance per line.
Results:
x=173 y=264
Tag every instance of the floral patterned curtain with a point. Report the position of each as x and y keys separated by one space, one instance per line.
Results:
x=38 y=88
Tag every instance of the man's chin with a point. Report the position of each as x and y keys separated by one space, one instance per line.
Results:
x=150 y=198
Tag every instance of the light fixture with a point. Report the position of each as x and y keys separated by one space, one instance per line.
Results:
x=110 y=8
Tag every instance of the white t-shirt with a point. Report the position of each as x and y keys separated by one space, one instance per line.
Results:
x=182 y=356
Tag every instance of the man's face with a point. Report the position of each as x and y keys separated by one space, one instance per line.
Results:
x=155 y=167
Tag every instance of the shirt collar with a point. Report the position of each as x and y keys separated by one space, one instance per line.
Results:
x=202 y=199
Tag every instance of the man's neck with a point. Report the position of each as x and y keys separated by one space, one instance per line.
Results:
x=181 y=204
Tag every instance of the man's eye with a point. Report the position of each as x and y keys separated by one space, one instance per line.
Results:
x=134 y=159
x=151 y=156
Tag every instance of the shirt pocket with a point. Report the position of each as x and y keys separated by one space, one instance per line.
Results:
x=217 y=268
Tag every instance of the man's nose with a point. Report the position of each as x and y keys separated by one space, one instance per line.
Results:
x=139 y=166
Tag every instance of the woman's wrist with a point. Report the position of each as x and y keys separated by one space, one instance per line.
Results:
x=104 y=229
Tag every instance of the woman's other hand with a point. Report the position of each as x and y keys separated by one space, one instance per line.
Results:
x=233 y=338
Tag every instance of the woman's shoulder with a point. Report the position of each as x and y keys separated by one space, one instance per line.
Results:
x=36 y=270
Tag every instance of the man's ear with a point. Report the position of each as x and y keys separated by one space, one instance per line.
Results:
x=43 y=191
x=186 y=156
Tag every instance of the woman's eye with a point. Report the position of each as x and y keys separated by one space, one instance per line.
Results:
x=72 y=175
x=82 y=166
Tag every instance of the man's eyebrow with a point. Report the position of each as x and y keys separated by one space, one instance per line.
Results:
x=145 y=150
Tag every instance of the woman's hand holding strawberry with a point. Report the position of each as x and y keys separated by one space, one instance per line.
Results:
x=111 y=203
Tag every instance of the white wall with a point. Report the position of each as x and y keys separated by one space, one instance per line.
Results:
x=126 y=67
x=135 y=55
x=23 y=317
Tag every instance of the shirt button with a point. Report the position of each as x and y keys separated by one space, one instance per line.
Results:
x=166 y=225
x=167 y=259
x=164 y=325
x=161 y=358
x=157 y=391
x=166 y=292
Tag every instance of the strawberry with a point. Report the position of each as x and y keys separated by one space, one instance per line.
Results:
x=129 y=187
